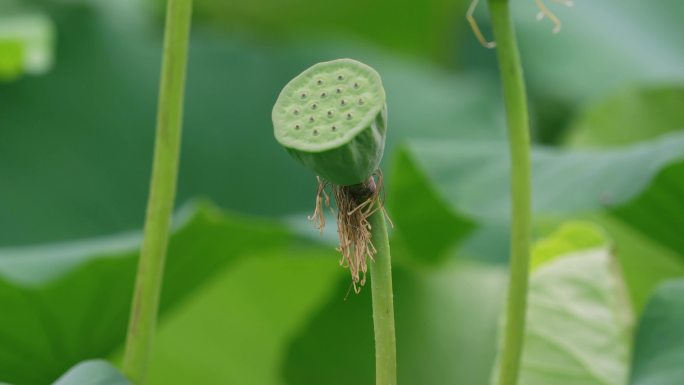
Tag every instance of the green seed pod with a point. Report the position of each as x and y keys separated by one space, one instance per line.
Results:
x=332 y=118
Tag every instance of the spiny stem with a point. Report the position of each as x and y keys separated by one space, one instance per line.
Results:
x=518 y=134
x=162 y=192
x=383 y=307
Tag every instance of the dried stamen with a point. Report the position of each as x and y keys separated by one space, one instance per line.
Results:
x=355 y=205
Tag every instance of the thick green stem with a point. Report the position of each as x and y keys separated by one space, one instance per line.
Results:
x=383 y=307
x=162 y=192
x=518 y=134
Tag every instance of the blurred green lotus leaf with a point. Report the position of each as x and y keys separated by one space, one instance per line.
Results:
x=659 y=342
x=635 y=190
x=94 y=372
x=629 y=116
x=52 y=296
x=26 y=42
x=578 y=318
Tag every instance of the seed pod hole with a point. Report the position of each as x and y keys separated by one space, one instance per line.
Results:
x=334 y=128
x=315 y=132
x=343 y=102
x=311 y=119
x=297 y=126
x=339 y=90
x=319 y=82
x=296 y=112
x=340 y=77
x=314 y=106
x=303 y=95
x=361 y=101
x=356 y=85
x=330 y=114
x=323 y=94
x=349 y=116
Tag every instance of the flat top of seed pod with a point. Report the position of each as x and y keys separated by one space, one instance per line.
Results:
x=327 y=105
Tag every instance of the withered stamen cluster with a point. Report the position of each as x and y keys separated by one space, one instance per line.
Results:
x=355 y=204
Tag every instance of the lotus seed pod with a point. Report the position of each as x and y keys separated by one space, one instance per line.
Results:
x=332 y=118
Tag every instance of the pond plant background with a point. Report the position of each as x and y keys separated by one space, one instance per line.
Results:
x=252 y=294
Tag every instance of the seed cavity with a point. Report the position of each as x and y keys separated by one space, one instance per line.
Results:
x=339 y=90
x=340 y=77
x=297 y=127
x=319 y=82
x=323 y=95
x=343 y=102
x=361 y=101
x=311 y=118
x=349 y=115
x=296 y=112
x=314 y=106
x=330 y=114
x=334 y=128
x=356 y=85
x=315 y=132
x=303 y=95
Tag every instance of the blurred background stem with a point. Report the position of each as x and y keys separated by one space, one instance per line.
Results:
x=383 y=303
x=149 y=278
x=515 y=100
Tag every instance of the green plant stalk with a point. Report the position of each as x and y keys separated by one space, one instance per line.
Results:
x=383 y=306
x=160 y=203
x=515 y=100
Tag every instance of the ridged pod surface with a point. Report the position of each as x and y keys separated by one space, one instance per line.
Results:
x=332 y=118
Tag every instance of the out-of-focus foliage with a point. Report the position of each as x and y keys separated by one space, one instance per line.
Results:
x=93 y=372
x=659 y=346
x=446 y=323
x=261 y=302
x=11 y=55
x=603 y=46
x=428 y=29
x=579 y=320
x=630 y=185
x=79 y=294
x=99 y=104
x=428 y=226
x=629 y=116
x=26 y=41
x=571 y=237
x=474 y=176
x=238 y=327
